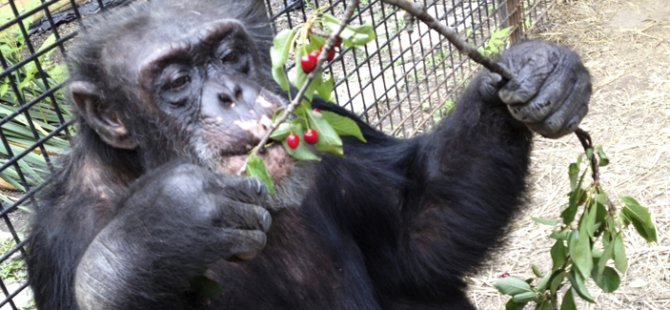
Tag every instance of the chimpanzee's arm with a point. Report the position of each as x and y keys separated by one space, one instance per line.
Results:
x=172 y=224
x=470 y=180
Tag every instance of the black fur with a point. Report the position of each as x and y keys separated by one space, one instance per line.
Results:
x=394 y=224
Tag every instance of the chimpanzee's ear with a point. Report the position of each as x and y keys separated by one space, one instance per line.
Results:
x=104 y=120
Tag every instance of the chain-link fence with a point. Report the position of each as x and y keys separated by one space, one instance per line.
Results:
x=402 y=82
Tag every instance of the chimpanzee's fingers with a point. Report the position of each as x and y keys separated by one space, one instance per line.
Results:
x=549 y=98
x=530 y=74
x=244 y=189
x=239 y=215
x=569 y=114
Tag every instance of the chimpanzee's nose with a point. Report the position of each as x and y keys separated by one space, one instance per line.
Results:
x=230 y=94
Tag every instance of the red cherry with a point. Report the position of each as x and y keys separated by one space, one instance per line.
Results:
x=311 y=136
x=307 y=63
x=292 y=140
x=314 y=54
x=338 y=42
x=331 y=54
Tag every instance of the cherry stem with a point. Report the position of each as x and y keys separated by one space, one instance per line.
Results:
x=330 y=44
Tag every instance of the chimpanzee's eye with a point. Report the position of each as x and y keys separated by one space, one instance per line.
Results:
x=179 y=82
x=232 y=57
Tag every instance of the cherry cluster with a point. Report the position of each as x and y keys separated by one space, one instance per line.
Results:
x=308 y=62
x=311 y=136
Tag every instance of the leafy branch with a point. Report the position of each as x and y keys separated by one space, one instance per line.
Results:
x=575 y=254
x=290 y=109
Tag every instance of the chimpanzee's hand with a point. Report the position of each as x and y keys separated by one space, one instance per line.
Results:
x=186 y=215
x=212 y=216
x=171 y=226
x=550 y=90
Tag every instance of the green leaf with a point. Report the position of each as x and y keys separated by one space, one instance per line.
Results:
x=589 y=218
x=573 y=173
x=568 y=302
x=558 y=255
x=546 y=305
x=604 y=257
x=557 y=281
x=546 y=221
x=576 y=196
x=315 y=42
x=279 y=52
x=325 y=89
x=560 y=235
x=256 y=168
x=329 y=140
x=343 y=125
x=542 y=284
x=279 y=75
x=302 y=152
x=579 y=247
x=640 y=217
x=602 y=158
x=281 y=131
x=620 y=259
x=512 y=286
x=313 y=85
x=578 y=284
x=524 y=297
x=352 y=35
x=546 y=280
x=608 y=280
x=281 y=46
x=536 y=270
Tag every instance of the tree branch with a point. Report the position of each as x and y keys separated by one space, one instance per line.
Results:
x=419 y=11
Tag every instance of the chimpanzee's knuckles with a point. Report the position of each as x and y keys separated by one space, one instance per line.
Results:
x=566 y=119
x=244 y=189
x=531 y=63
x=243 y=216
x=549 y=99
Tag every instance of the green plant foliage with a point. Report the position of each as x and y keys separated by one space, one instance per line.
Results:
x=256 y=168
x=584 y=249
x=23 y=85
x=294 y=44
x=496 y=42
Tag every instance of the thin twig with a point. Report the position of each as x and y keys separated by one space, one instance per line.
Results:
x=330 y=44
x=419 y=11
x=587 y=144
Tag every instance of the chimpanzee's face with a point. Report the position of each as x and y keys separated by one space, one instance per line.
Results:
x=205 y=86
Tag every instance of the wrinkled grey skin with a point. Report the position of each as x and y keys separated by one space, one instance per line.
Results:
x=537 y=95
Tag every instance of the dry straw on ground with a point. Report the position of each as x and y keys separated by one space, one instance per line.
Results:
x=626 y=46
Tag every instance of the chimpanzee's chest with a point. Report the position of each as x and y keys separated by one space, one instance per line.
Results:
x=307 y=264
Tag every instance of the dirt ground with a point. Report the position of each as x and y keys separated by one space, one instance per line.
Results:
x=626 y=46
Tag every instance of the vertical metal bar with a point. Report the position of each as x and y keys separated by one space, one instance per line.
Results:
x=514 y=19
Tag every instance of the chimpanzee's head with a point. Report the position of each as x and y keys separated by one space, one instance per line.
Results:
x=191 y=83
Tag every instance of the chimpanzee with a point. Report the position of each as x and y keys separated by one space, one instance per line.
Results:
x=171 y=95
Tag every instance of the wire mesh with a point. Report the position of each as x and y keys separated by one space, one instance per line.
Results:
x=402 y=83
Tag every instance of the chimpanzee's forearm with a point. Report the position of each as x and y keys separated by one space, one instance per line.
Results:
x=467 y=189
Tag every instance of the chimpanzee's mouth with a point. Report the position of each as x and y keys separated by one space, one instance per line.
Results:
x=277 y=161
